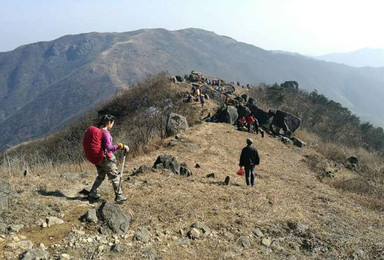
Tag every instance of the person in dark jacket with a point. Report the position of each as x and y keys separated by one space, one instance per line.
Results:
x=249 y=158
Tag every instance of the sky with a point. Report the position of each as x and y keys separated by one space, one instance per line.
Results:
x=309 y=27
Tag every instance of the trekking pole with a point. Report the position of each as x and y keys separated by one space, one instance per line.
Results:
x=122 y=167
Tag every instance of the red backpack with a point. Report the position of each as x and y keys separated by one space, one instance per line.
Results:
x=92 y=145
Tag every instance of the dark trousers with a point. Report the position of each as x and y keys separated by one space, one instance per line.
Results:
x=250 y=172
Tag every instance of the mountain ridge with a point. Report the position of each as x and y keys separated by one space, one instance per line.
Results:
x=92 y=67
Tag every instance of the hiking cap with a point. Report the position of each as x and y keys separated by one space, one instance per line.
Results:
x=249 y=140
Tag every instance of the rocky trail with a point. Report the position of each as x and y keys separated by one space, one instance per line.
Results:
x=290 y=214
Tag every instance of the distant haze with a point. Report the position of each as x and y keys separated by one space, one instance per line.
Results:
x=302 y=26
x=361 y=58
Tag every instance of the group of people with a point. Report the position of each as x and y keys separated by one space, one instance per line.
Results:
x=197 y=94
x=249 y=123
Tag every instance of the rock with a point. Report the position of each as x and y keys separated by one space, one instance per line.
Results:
x=211 y=175
x=185 y=171
x=179 y=78
x=226 y=114
x=176 y=124
x=286 y=121
x=243 y=111
x=245 y=97
x=15 y=228
x=201 y=226
x=229 y=235
x=115 y=219
x=142 y=235
x=3 y=228
x=286 y=140
x=90 y=216
x=23 y=245
x=226 y=181
x=197 y=165
x=7 y=194
x=35 y=254
x=65 y=257
x=54 y=221
x=167 y=162
x=244 y=242
x=297 y=142
x=257 y=233
x=184 y=242
x=298 y=227
x=194 y=234
x=266 y=242
x=149 y=253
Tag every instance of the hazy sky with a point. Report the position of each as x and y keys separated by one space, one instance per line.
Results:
x=311 y=27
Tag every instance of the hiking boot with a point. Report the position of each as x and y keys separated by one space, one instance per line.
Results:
x=120 y=199
x=94 y=195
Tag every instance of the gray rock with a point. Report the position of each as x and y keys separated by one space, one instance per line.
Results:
x=53 y=221
x=35 y=254
x=286 y=121
x=15 y=228
x=286 y=140
x=244 y=242
x=243 y=111
x=226 y=114
x=297 y=142
x=23 y=245
x=3 y=228
x=257 y=233
x=229 y=235
x=184 y=242
x=142 y=235
x=266 y=242
x=167 y=161
x=201 y=226
x=194 y=234
x=115 y=219
x=185 y=171
x=149 y=253
x=7 y=194
x=176 y=124
x=211 y=175
x=120 y=248
x=90 y=216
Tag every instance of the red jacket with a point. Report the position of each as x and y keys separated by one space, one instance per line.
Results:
x=250 y=119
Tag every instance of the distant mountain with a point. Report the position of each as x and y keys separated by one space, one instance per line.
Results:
x=362 y=58
x=45 y=84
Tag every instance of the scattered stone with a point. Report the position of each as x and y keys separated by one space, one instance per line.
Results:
x=149 y=253
x=44 y=225
x=298 y=227
x=201 y=226
x=257 y=233
x=176 y=124
x=7 y=194
x=244 y=242
x=184 y=242
x=286 y=140
x=54 y=221
x=197 y=165
x=35 y=254
x=167 y=162
x=15 y=228
x=185 y=171
x=115 y=219
x=142 y=235
x=65 y=257
x=266 y=242
x=194 y=234
x=297 y=142
x=25 y=173
x=90 y=216
x=226 y=181
x=23 y=245
x=229 y=235
x=211 y=175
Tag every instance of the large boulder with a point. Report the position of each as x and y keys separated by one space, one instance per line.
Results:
x=7 y=194
x=243 y=111
x=167 y=161
x=226 y=114
x=286 y=121
x=35 y=254
x=176 y=124
x=213 y=94
x=114 y=217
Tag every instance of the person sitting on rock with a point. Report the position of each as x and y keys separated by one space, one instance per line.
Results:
x=108 y=165
x=249 y=158
x=250 y=119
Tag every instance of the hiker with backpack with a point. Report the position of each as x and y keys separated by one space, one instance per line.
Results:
x=249 y=158
x=99 y=150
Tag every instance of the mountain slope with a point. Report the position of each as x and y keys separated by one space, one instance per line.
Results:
x=45 y=84
x=302 y=217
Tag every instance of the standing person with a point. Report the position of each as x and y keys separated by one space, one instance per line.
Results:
x=202 y=101
x=108 y=165
x=249 y=158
